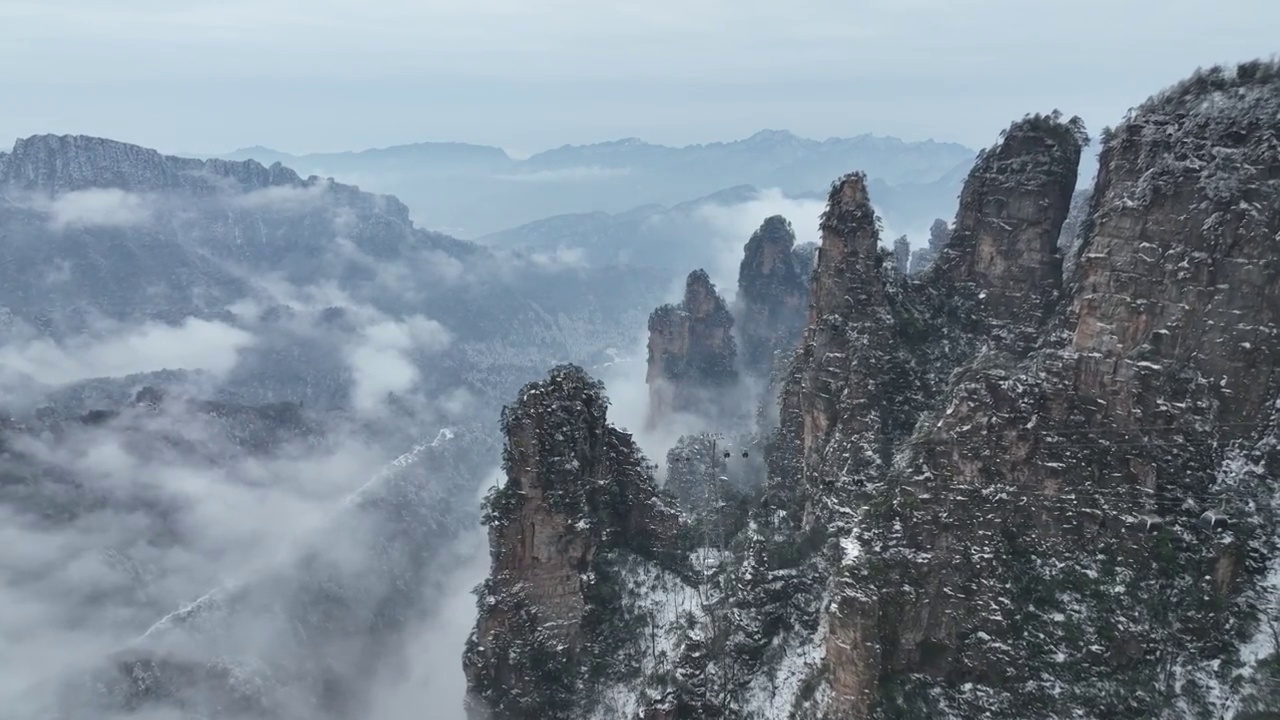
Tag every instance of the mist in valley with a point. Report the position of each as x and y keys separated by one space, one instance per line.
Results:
x=269 y=275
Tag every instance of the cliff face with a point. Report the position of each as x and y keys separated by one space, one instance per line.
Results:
x=997 y=494
x=692 y=352
x=1073 y=230
x=578 y=504
x=1036 y=544
x=772 y=292
x=1003 y=246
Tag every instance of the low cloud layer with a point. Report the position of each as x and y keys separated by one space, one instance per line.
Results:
x=94 y=207
x=559 y=259
x=167 y=508
x=282 y=198
x=125 y=350
x=383 y=360
x=730 y=226
x=159 y=506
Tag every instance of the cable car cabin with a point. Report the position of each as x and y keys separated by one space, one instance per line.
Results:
x=1150 y=523
x=1213 y=520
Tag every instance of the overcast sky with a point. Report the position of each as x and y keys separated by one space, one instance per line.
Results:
x=308 y=75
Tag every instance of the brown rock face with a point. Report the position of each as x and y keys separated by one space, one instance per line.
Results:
x=879 y=350
x=1003 y=246
x=577 y=491
x=1039 y=525
x=994 y=494
x=1180 y=268
x=692 y=353
x=848 y=303
x=773 y=289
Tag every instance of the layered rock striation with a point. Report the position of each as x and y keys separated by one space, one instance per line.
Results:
x=1002 y=250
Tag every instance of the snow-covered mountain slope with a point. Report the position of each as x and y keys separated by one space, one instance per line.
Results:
x=251 y=269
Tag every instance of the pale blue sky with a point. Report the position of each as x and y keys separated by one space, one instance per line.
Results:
x=307 y=75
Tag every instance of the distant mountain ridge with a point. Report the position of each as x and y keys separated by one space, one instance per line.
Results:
x=247 y=324
x=97 y=233
x=473 y=190
x=628 y=149
x=679 y=235
x=889 y=158
x=433 y=151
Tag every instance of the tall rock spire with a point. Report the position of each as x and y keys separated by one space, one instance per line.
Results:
x=902 y=255
x=577 y=491
x=772 y=292
x=922 y=258
x=1003 y=246
x=692 y=352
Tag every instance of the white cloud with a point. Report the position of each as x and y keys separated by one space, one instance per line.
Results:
x=457 y=402
x=193 y=345
x=730 y=226
x=382 y=358
x=413 y=332
x=97 y=207
x=283 y=198
x=560 y=258
x=78 y=588
x=433 y=677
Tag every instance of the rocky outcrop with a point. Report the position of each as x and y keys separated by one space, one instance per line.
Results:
x=995 y=493
x=692 y=353
x=902 y=255
x=879 y=352
x=578 y=499
x=67 y=163
x=1003 y=247
x=772 y=294
x=1039 y=529
x=805 y=256
x=922 y=258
